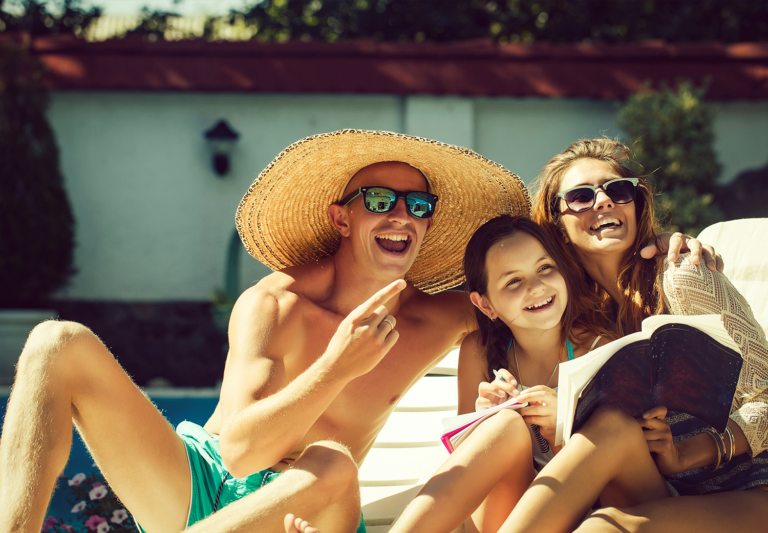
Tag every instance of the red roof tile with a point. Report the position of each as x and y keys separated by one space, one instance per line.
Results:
x=469 y=68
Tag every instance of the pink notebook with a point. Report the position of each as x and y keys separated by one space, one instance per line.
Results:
x=456 y=428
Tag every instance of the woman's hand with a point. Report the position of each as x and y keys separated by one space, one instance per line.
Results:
x=542 y=410
x=658 y=436
x=496 y=392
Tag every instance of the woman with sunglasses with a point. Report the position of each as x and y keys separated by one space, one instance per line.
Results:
x=605 y=214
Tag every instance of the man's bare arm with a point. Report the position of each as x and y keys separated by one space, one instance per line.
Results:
x=673 y=244
x=264 y=416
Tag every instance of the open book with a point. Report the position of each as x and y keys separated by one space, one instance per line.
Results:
x=685 y=363
x=457 y=428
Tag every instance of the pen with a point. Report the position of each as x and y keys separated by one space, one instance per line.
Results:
x=500 y=377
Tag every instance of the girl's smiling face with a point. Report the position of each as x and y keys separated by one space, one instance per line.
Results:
x=525 y=287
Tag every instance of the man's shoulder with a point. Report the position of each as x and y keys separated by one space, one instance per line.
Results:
x=450 y=301
x=443 y=306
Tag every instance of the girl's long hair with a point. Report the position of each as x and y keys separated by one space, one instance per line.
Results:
x=638 y=279
x=582 y=310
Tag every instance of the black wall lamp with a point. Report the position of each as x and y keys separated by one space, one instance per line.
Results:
x=221 y=139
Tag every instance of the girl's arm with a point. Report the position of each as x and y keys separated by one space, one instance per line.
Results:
x=692 y=290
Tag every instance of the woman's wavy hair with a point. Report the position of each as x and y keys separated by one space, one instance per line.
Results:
x=582 y=311
x=638 y=279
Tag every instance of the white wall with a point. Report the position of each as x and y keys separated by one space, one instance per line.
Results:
x=153 y=220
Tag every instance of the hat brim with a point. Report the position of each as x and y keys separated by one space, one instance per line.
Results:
x=283 y=218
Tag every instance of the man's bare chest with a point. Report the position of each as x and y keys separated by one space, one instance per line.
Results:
x=374 y=394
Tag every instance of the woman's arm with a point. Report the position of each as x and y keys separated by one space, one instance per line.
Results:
x=691 y=290
x=694 y=452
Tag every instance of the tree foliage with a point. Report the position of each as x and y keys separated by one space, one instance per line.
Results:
x=674 y=141
x=525 y=21
x=555 y=21
x=36 y=19
x=36 y=222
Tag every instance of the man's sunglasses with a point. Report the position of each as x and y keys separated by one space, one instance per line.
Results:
x=583 y=197
x=382 y=200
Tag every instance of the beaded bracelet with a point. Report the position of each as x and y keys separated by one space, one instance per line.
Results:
x=720 y=445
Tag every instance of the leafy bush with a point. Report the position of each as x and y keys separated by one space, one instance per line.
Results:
x=674 y=136
x=36 y=222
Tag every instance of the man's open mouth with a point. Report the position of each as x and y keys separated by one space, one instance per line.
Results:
x=606 y=223
x=546 y=303
x=394 y=242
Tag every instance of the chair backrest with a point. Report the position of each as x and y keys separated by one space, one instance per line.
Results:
x=742 y=243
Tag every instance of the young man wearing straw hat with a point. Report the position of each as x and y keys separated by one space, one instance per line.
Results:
x=320 y=351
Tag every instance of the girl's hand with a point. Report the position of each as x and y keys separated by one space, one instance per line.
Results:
x=496 y=392
x=542 y=410
x=658 y=436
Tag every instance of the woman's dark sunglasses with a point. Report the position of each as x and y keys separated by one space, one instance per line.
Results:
x=583 y=197
x=382 y=200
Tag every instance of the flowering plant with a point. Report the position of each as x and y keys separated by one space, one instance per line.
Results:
x=94 y=506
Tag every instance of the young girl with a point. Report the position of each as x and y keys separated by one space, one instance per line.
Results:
x=533 y=313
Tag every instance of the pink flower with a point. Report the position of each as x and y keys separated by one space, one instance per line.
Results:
x=98 y=492
x=76 y=480
x=103 y=528
x=65 y=527
x=94 y=521
x=79 y=506
x=49 y=523
x=119 y=516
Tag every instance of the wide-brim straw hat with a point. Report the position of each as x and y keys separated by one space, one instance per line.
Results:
x=283 y=218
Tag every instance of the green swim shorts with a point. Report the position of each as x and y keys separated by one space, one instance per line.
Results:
x=209 y=475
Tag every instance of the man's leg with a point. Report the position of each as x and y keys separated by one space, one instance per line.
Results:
x=608 y=458
x=321 y=487
x=66 y=374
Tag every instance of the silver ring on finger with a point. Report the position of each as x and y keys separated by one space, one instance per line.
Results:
x=388 y=321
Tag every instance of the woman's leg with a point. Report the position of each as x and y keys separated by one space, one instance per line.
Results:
x=494 y=462
x=727 y=511
x=608 y=459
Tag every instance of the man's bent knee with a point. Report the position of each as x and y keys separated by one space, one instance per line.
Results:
x=48 y=339
x=332 y=464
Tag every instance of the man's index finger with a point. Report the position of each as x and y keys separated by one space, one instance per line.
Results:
x=374 y=302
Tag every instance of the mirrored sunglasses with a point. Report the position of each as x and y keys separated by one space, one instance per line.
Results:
x=583 y=197
x=380 y=200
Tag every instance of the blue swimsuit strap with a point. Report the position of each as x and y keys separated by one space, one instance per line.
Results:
x=567 y=345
